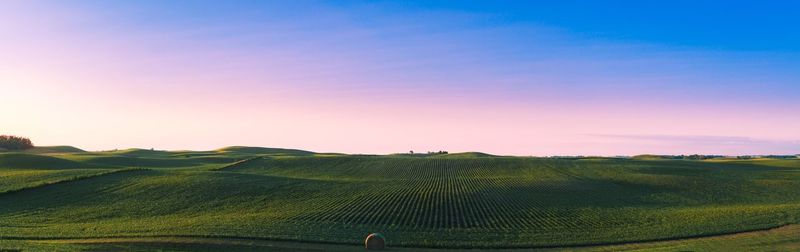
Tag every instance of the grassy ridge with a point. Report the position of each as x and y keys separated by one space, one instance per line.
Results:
x=450 y=200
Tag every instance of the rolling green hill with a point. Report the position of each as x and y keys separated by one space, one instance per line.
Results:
x=265 y=151
x=53 y=149
x=465 y=200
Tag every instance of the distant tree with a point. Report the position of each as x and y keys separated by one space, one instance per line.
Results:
x=15 y=143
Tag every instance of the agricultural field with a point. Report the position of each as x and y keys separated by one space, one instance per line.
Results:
x=61 y=198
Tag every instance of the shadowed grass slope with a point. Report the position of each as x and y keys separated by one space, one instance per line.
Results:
x=33 y=161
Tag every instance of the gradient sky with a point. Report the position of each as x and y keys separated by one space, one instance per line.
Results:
x=523 y=78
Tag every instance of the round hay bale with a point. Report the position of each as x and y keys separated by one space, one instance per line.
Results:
x=375 y=241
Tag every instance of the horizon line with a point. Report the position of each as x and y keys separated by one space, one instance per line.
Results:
x=426 y=152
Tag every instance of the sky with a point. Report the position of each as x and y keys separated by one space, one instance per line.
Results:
x=504 y=77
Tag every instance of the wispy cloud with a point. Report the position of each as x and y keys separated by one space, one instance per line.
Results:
x=705 y=144
x=689 y=138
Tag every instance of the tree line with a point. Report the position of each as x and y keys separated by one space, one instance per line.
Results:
x=15 y=143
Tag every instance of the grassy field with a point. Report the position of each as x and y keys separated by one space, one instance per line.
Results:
x=244 y=197
x=784 y=238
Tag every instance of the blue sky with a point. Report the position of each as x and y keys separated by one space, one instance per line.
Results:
x=713 y=25
x=729 y=25
x=516 y=77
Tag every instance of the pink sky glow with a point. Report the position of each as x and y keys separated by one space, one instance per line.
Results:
x=100 y=80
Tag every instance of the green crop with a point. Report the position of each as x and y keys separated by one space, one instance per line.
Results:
x=453 y=201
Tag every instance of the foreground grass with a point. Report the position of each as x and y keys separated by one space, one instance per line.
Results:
x=248 y=194
x=786 y=238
